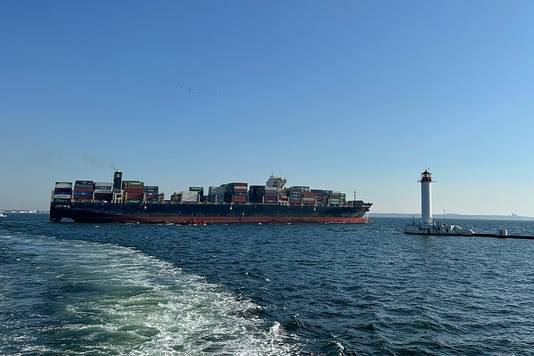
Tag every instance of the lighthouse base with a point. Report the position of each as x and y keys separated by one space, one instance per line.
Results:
x=437 y=229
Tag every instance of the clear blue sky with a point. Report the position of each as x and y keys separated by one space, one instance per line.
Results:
x=335 y=94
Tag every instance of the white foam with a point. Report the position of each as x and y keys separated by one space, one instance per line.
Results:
x=148 y=306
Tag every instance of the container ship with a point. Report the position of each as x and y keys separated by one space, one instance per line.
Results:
x=130 y=201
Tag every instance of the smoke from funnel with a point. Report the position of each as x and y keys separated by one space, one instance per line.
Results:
x=100 y=163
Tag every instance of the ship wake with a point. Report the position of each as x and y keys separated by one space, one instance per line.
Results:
x=88 y=297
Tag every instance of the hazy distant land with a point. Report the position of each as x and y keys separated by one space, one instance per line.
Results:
x=453 y=216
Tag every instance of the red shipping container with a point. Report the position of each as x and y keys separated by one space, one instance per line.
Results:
x=239 y=199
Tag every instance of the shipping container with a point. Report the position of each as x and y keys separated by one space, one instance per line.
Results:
x=239 y=199
x=236 y=197
x=236 y=187
x=200 y=191
x=137 y=196
x=86 y=191
x=321 y=191
x=189 y=197
x=134 y=189
x=102 y=186
x=126 y=184
x=216 y=194
x=103 y=197
x=62 y=196
x=151 y=192
x=256 y=193
x=63 y=185
x=299 y=188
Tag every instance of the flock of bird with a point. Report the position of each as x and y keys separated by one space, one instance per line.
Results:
x=194 y=91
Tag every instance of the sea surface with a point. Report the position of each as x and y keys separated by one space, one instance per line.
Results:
x=262 y=289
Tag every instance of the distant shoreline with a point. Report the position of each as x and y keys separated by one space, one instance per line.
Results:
x=454 y=216
x=16 y=211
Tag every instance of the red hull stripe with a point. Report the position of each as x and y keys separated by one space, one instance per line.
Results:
x=235 y=220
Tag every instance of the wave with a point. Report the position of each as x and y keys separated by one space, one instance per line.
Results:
x=88 y=297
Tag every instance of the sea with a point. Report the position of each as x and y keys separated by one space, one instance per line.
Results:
x=301 y=289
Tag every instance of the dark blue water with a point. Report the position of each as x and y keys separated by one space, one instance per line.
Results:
x=262 y=289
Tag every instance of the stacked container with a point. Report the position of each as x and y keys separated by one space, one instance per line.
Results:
x=189 y=197
x=236 y=193
x=336 y=199
x=62 y=191
x=161 y=197
x=134 y=191
x=283 y=196
x=103 y=191
x=271 y=195
x=83 y=190
x=216 y=194
x=308 y=198
x=151 y=192
x=296 y=194
x=256 y=193
x=199 y=190
x=321 y=196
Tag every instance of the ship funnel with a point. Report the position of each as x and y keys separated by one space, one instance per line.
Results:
x=117 y=181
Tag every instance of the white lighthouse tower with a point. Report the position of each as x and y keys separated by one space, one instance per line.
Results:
x=426 y=197
x=427 y=225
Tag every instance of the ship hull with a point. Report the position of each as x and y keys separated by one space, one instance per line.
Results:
x=205 y=213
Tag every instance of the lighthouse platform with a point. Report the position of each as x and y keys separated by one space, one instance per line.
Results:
x=437 y=229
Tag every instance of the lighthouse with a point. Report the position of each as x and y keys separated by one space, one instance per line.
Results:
x=427 y=225
x=426 y=197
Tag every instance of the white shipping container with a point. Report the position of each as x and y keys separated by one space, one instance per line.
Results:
x=103 y=184
x=62 y=196
x=189 y=196
x=64 y=185
x=102 y=191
